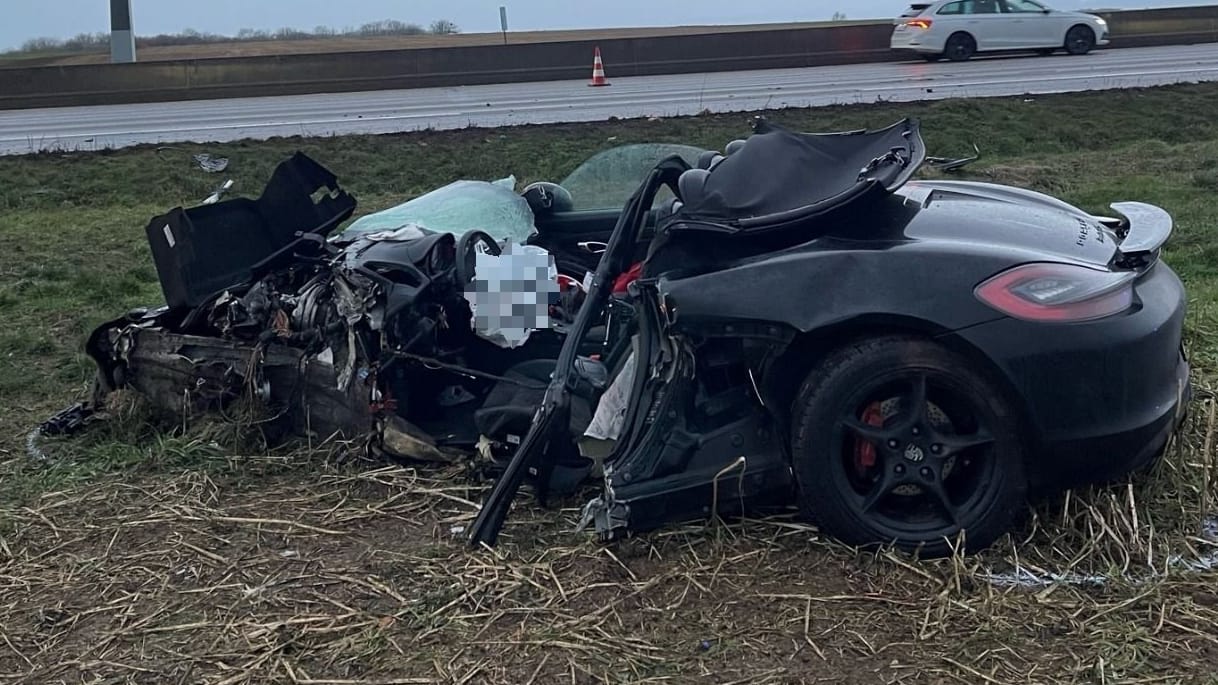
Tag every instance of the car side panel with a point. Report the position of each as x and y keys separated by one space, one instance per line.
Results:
x=943 y=27
x=991 y=31
x=1057 y=27
x=1059 y=24
x=1034 y=30
x=935 y=39
x=827 y=282
x=1098 y=396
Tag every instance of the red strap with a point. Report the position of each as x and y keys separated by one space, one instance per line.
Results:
x=624 y=281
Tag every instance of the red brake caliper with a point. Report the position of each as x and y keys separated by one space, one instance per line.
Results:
x=864 y=451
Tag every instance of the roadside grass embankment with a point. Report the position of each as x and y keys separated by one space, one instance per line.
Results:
x=196 y=556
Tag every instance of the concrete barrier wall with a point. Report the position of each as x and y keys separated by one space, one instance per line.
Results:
x=356 y=71
x=1169 y=26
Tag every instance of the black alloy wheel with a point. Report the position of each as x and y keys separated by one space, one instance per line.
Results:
x=960 y=47
x=1080 y=40
x=899 y=440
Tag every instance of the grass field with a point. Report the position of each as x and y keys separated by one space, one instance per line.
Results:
x=194 y=556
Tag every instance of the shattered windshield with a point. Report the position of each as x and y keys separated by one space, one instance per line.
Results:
x=608 y=179
x=458 y=208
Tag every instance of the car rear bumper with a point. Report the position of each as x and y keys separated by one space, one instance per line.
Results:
x=1101 y=398
x=916 y=41
x=1103 y=458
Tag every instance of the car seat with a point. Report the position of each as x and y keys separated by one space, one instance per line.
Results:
x=507 y=414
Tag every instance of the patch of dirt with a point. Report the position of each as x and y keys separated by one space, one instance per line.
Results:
x=361 y=578
x=354 y=576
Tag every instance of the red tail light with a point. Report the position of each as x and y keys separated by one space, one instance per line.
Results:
x=1058 y=292
x=919 y=23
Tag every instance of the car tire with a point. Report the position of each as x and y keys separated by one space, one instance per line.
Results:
x=960 y=47
x=964 y=473
x=1080 y=40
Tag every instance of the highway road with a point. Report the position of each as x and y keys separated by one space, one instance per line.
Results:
x=89 y=128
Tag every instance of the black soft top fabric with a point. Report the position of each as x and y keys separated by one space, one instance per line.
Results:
x=778 y=171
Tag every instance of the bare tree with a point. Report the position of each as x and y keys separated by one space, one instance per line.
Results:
x=41 y=45
x=839 y=16
x=98 y=42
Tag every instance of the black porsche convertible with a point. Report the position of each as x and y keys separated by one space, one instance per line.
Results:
x=793 y=321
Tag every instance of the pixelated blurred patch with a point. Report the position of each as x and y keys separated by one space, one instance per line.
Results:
x=511 y=293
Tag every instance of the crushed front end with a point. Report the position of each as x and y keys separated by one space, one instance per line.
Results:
x=330 y=339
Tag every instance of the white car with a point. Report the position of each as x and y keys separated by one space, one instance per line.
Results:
x=959 y=29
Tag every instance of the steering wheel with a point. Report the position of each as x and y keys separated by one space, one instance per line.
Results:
x=467 y=257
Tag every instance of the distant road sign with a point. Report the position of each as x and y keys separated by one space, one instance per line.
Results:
x=122 y=35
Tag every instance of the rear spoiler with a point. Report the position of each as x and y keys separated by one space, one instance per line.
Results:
x=1145 y=228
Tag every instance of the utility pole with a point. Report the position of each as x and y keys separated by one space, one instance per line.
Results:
x=122 y=35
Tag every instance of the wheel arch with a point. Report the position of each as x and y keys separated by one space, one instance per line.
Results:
x=952 y=38
x=827 y=496
x=1094 y=34
x=787 y=372
x=962 y=32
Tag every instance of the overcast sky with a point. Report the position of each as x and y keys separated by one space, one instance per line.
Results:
x=26 y=19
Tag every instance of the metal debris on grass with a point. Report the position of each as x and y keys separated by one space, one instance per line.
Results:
x=212 y=165
x=218 y=193
x=1027 y=577
x=949 y=164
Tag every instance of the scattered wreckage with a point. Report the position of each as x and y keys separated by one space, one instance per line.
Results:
x=795 y=320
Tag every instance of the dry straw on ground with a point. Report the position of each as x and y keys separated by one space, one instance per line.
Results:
x=297 y=570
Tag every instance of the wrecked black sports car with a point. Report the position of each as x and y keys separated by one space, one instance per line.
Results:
x=794 y=320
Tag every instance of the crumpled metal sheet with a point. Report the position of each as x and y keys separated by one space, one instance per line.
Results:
x=212 y=165
x=163 y=369
x=610 y=416
x=1021 y=576
x=952 y=164
x=404 y=440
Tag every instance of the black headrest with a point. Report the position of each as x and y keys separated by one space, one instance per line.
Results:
x=692 y=185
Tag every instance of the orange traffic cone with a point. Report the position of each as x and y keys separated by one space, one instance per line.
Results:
x=598 y=71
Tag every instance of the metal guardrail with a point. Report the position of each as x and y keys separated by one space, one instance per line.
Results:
x=55 y=86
